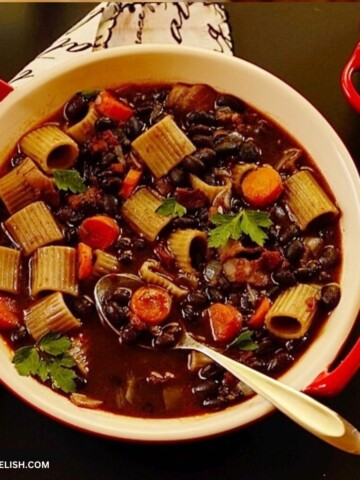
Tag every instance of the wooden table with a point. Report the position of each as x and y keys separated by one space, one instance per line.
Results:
x=306 y=45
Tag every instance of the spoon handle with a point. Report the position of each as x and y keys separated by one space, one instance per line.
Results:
x=302 y=409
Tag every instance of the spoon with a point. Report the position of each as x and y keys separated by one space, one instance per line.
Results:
x=314 y=417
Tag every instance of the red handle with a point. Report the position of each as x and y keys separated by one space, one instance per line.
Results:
x=331 y=383
x=5 y=89
x=347 y=77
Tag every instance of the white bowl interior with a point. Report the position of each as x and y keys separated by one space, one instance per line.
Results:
x=32 y=103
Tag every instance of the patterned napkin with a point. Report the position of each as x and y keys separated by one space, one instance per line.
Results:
x=112 y=24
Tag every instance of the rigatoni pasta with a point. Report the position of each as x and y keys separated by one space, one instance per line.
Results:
x=54 y=268
x=9 y=270
x=291 y=314
x=50 y=314
x=306 y=199
x=140 y=211
x=50 y=148
x=152 y=272
x=163 y=146
x=104 y=264
x=185 y=244
x=33 y=227
x=210 y=191
x=85 y=128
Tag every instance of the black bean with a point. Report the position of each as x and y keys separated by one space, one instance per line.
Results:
x=255 y=363
x=71 y=235
x=288 y=233
x=205 y=118
x=184 y=222
x=16 y=159
x=324 y=277
x=307 y=272
x=234 y=299
x=111 y=184
x=109 y=205
x=116 y=314
x=273 y=291
x=278 y=214
x=206 y=155
x=134 y=127
x=211 y=370
x=165 y=340
x=104 y=123
x=207 y=388
x=189 y=312
x=284 y=277
x=265 y=346
x=214 y=295
x=19 y=334
x=192 y=164
x=279 y=362
x=177 y=176
x=232 y=102
x=76 y=108
x=139 y=244
x=230 y=144
x=296 y=344
x=330 y=256
x=294 y=250
x=81 y=382
x=83 y=307
x=107 y=159
x=246 y=304
x=126 y=257
x=121 y=295
x=201 y=140
x=199 y=130
x=198 y=299
x=214 y=403
x=330 y=296
x=249 y=152
x=128 y=335
x=123 y=243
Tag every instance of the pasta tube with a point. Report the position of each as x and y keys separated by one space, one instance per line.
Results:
x=306 y=199
x=163 y=146
x=50 y=148
x=54 y=268
x=33 y=227
x=104 y=264
x=151 y=272
x=293 y=311
x=140 y=211
x=9 y=270
x=185 y=244
x=85 y=128
x=50 y=314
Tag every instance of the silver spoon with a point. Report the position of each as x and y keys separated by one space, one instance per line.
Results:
x=302 y=409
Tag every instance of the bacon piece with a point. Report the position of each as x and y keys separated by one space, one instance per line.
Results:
x=185 y=98
x=234 y=248
x=190 y=198
x=254 y=272
x=92 y=197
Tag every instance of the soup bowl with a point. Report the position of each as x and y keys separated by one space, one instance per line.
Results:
x=28 y=105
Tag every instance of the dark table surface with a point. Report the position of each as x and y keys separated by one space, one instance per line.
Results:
x=306 y=45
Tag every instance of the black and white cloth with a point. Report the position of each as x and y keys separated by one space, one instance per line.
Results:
x=112 y=24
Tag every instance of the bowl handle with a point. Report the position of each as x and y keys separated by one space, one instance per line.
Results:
x=331 y=383
x=5 y=89
x=347 y=79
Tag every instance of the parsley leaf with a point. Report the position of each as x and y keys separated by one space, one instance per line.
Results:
x=246 y=222
x=171 y=207
x=54 y=344
x=69 y=180
x=49 y=359
x=245 y=342
x=26 y=361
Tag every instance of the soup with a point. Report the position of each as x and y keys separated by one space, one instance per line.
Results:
x=224 y=219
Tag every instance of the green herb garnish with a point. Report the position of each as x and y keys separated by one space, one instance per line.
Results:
x=69 y=180
x=89 y=94
x=246 y=222
x=171 y=207
x=245 y=342
x=48 y=359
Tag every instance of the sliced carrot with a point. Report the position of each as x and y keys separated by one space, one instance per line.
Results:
x=262 y=186
x=131 y=181
x=117 y=167
x=151 y=304
x=9 y=318
x=99 y=231
x=258 y=317
x=225 y=321
x=109 y=106
x=84 y=259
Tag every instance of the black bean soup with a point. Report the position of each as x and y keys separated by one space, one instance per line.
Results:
x=231 y=275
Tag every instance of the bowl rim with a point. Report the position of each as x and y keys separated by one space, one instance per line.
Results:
x=180 y=429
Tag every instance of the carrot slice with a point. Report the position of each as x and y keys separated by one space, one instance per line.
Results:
x=109 y=106
x=84 y=258
x=131 y=181
x=258 y=317
x=151 y=304
x=99 y=231
x=225 y=321
x=262 y=186
x=9 y=318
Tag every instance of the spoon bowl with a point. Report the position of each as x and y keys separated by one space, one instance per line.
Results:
x=302 y=409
